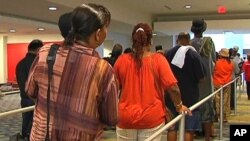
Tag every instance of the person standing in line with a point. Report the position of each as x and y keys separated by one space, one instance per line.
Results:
x=143 y=76
x=233 y=56
x=116 y=52
x=22 y=71
x=205 y=47
x=246 y=70
x=223 y=70
x=84 y=91
x=127 y=50
x=189 y=70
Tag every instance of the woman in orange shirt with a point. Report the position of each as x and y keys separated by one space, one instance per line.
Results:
x=141 y=109
x=223 y=71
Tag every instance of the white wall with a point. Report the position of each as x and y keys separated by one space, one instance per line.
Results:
x=165 y=41
x=29 y=38
x=3 y=59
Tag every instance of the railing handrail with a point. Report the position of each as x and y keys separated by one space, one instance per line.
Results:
x=16 y=111
x=10 y=92
x=168 y=125
x=196 y=105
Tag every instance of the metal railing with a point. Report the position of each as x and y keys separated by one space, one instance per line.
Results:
x=181 y=117
x=10 y=92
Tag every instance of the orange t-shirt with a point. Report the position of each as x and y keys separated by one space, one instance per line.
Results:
x=223 y=71
x=140 y=105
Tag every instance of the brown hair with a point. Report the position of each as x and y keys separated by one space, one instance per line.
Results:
x=141 y=37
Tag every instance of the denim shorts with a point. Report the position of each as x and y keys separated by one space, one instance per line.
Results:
x=192 y=123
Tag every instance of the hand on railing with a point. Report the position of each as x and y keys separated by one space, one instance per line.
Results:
x=183 y=109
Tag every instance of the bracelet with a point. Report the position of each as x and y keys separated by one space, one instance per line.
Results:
x=179 y=105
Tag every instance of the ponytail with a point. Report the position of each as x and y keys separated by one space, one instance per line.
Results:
x=141 y=37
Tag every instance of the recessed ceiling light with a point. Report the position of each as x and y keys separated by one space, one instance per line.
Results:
x=12 y=30
x=40 y=29
x=187 y=6
x=52 y=8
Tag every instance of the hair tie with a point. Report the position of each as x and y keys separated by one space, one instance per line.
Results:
x=140 y=29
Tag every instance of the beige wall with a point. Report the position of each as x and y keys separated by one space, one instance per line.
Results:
x=3 y=59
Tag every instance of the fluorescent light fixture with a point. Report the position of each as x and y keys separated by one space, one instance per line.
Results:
x=40 y=29
x=187 y=6
x=154 y=34
x=12 y=30
x=228 y=32
x=52 y=8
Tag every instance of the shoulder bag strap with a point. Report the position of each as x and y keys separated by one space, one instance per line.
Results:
x=50 y=61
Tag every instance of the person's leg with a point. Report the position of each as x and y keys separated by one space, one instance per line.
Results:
x=126 y=134
x=248 y=89
x=145 y=133
x=208 y=128
x=189 y=136
x=172 y=135
x=232 y=96
x=226 y=103
x=25 y=120
x=192 y=124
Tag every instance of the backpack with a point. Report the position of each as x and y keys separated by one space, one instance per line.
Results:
x=206 y=47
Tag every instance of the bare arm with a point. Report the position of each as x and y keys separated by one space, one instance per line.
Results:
x=175 y=96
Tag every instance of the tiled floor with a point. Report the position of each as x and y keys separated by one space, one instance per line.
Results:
x=12 y=124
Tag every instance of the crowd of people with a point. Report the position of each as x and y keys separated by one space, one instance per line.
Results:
x=136 y=91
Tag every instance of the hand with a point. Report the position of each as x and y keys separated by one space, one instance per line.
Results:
x=184 y=109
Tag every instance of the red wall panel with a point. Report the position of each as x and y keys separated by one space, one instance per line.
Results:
x=16 y=52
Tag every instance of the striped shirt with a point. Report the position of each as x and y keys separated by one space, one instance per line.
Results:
x=83 y=95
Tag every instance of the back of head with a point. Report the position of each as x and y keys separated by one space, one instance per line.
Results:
x=183 y=38
x=158 y=47
x=64 y=24
x=86 y=19
x=128 y=50
x=34 y=45
x=117 y=50
x=248 y=56
x=141 y=38
x=198 y=26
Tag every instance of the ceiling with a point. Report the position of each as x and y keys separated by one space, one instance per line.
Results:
x=166 y=16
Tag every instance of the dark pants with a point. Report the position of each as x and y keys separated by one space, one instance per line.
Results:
x=232 y=96
x=248 y=89
x=27 y=117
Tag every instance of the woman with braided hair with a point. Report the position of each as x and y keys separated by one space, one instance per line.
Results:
x=143 y=76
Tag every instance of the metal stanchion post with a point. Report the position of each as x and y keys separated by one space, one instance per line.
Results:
x=235 y=98
x=221 y=114
x=182 y=128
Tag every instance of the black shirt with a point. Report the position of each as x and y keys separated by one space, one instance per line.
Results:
x=188 y=76
x=22 y=72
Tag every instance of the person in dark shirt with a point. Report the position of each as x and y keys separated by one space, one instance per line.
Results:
x=188 y=73
x=116 y=52
x=22 y=71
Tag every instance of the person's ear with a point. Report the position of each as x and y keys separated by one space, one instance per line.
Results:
x=97 y=35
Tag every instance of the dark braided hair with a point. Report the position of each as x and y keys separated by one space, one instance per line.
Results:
x=141 y=37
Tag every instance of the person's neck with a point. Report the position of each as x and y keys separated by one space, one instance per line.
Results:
x=198 y=35
x=83 y=43
x=146 y=51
